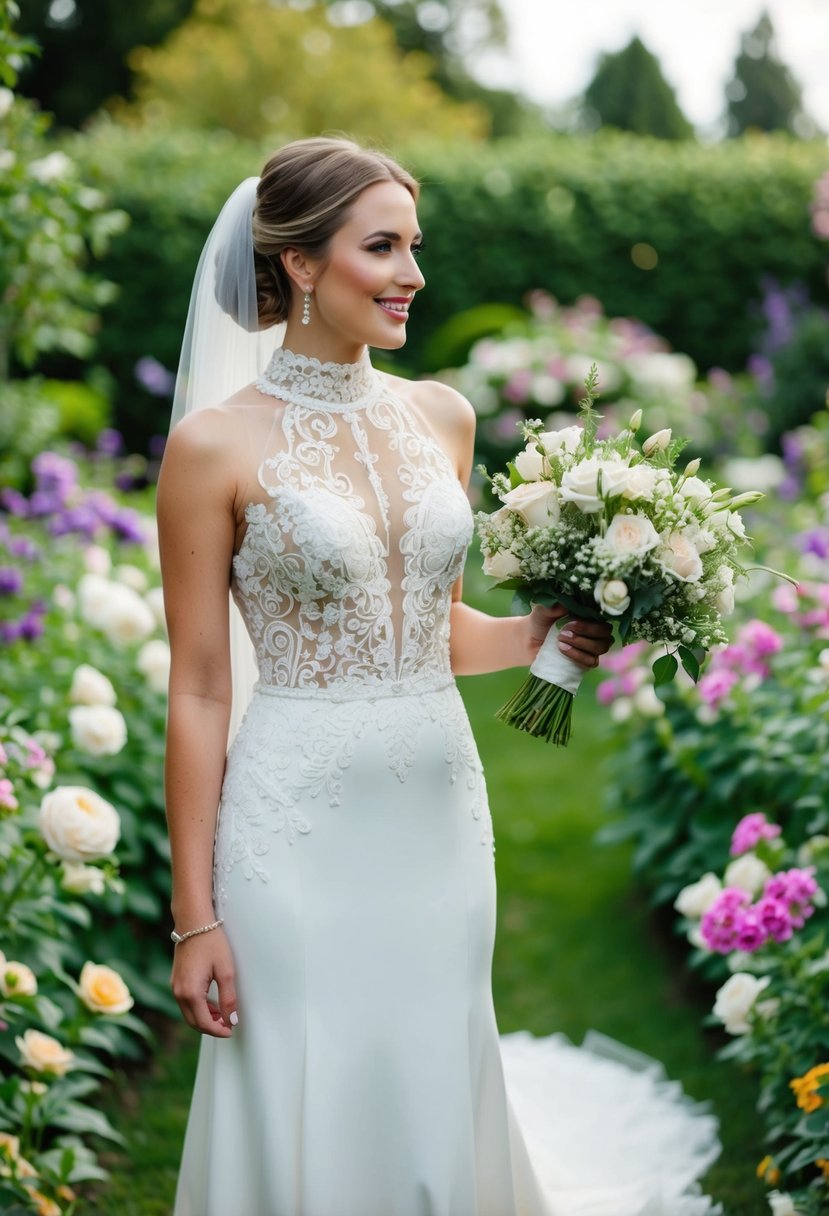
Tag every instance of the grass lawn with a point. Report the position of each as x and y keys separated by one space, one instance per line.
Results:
x=577 y=948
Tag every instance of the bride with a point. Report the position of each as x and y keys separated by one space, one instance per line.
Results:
x=333 y=873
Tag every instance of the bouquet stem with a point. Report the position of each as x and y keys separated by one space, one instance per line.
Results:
x=541 y=709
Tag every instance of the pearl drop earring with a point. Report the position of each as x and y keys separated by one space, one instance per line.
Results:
x=306 y=309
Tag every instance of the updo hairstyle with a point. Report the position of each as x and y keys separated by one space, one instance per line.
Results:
x=302 y=199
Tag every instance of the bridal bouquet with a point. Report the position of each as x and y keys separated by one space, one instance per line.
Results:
x=612 y=531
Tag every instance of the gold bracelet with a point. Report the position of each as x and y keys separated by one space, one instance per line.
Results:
x=182 y=937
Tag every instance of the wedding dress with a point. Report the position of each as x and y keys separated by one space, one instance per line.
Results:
x=354 y=869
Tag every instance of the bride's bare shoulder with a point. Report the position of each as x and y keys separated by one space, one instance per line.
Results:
x=437 y=399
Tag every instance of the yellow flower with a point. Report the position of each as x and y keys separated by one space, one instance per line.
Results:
x=43 y=1053
x=807 y=1088
x=103 y=991
x=768 y=1172
x=16 y=979
x=43 y=1205
x=823 y=1165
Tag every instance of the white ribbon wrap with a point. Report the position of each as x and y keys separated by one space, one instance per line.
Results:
x=553 y=666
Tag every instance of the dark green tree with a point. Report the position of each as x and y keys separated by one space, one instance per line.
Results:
x=763 y=95
x=84 y=47
x=629 y=92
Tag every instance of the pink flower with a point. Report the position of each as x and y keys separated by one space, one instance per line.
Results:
x=760 y=639
x=753 y=932
x=773 y=914
x=750 y=831
x=785 y=598
x=607 y=692
x=715 y=686
x=722 y=924
x=7 y=798
x=4 y=758
x=795 y=889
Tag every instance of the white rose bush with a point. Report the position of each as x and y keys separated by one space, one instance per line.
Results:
x=612 y=531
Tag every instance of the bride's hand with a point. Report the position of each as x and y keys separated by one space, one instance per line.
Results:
x=196 y=963
x=582 y=641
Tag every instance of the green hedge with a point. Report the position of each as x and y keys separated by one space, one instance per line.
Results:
x=559 y=213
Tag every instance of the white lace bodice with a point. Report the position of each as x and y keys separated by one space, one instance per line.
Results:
x=344 y=576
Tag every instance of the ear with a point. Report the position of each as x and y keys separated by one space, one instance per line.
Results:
x=299 y=267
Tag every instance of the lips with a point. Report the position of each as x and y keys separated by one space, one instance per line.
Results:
x=394 y=306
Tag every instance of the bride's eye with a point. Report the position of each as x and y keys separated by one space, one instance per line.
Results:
x=380 y=247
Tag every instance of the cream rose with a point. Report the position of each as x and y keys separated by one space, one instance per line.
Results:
x=679 y=555
x=736 y=998
x=502 y=564
x=154 y=664
x=99 y=730
x=125 y=616
x=16 y=979
x=591 y=481
x=657 y=442
x=529 y=463
x=93 y=595
x=694 y=900
x=43 y=1053
x=695 y=489
x=612 y=596
x=78 y=824
x=724 y=600
x=781 y=1204
x=630 y=536
x=130 y=576
x=641 y=482
x=748 y=873
x=79 y=879
x=536 y=501
x=91 y=687
x=102 y=990
x=565 y=440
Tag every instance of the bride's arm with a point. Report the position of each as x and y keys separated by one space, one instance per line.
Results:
x=196 y=526
x=480 y=643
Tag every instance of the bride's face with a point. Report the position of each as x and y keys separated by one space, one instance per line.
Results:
x=363 y=290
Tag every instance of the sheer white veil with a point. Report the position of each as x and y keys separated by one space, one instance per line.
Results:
x=223 y=350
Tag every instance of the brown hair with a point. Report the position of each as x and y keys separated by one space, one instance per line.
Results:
x=302 y=199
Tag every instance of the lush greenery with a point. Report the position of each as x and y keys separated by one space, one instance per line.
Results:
x=763 y=95
x=629 y=92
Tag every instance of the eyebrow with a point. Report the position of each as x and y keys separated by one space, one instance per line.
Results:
x=392 y=236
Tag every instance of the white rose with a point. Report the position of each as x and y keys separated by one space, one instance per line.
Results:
x=155 y=601
x=529 y=463
x=96 y=560
x=125 y=617
x=694 y=900
x=580 y=484
x=612 y=596
x=43 y=1053
x=536 y=501
x=79 y=879
x=50 y=168
x=641 y=482
x=91 y=687
x=16 y=979
x=630 y=536
x=6 y=101
x=646 y=702
x=99 y=730
x=621 y=709
x=130 y=576
x=679 y=555
x=748 y=873
x=657 y=442
x=154 y=660
x=102 y=990
x=728 y=521
x=565 y=440
x=736 y=998
x=695 y=489
x=93 y=595
x=724 y=600
x=78 y=824
x=781 y=1204
x=500 y=565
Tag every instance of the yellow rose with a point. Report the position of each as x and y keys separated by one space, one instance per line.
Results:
x=16 y=979
x=43 y=1205
x=103 y=991
x=43 y=1053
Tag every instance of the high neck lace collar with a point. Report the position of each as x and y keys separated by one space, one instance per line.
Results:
x=305 y=381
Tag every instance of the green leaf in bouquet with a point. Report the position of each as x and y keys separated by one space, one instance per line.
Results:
x=522 y=600
x=515 y=478
x=689 y=661
x=645 y=598
x=588 y=612
x=664 y=669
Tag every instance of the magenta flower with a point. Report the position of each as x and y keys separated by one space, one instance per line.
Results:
x=785 y=598
x=7 y=798
x=750 y=831
x=775 y=918
x=722 y=924
x=607 y=692
x=796 y=889
x=753 y=933
x=760 y=639
x=715 y=686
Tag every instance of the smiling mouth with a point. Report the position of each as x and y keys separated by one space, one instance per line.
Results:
x=399 y=309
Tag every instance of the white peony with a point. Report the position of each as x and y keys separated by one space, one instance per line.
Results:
x=565 y=440
x=748 y=873
x=43 y=1053
x=91 y=687
x=612 y=596
x=536 y=501
x=679 y=555
x=78 y=879
x=781 y=1204
x=78 y=824
x=694 y=900
x=630 y=536
x=500 y=565
x=736 y=999
x=529 y=463
x=99 y=730
x=130 y=576
x=657 y=442
x=154 y=660
x=16 y=979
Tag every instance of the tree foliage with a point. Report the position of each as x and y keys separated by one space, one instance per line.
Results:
x=763 y=95
x=629 y=92
x=279 y=73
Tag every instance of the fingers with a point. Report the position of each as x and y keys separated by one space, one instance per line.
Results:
x=196 y=966
x=227 y=999
x=585 y=641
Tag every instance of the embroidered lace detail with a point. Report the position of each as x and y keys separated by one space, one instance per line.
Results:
x=303 y=380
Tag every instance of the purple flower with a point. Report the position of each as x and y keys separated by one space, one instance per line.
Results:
x=45 y=502
x=21 y=546
x=750 y=831
x=156 y=446
x=109 y=442
x=154 y=377
x=10 y=632
x=80 y=519
x=816 y=542
x=31 y=625
x=55 y=473
x=722 y=924
x=761 y=369
x=14 y=502
x=11 y=580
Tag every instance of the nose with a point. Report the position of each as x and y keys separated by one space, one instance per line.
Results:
x=411 y=275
